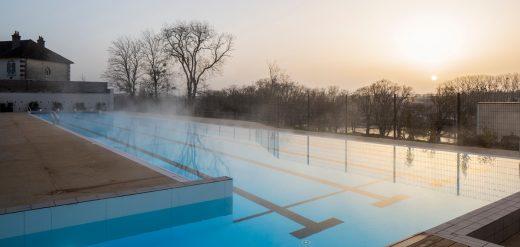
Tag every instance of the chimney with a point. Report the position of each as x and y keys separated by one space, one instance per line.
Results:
x=16 y=40
x=41 y=41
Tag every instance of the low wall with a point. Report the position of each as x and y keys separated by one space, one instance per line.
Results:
x=93 y=220
x=45 y=101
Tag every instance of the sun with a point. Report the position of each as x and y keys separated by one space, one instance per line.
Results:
x=434 y=77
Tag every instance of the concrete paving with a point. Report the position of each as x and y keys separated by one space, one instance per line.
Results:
x=42 y=164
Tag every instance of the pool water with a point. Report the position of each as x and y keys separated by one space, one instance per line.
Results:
x=295 y=190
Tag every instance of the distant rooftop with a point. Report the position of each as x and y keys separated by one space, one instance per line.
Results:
x=17 y=48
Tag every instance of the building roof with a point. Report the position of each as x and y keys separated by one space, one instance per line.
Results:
x=32 y=50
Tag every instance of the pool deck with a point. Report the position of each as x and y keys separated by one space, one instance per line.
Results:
x=43 y=165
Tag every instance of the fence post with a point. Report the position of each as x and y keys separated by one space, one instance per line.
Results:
x=308 y=109
x=395 y=116
x=277 y=112
x=346 y=114
x=458 y=118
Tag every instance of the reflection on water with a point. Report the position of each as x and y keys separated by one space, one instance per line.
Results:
x=478 y=176
x=409 y=156
x=194 y=153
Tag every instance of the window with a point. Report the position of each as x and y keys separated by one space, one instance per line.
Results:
x=47 y=71
x=11 y=68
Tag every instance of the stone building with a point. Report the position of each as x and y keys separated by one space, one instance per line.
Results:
x=29 y=60
x=33 y=77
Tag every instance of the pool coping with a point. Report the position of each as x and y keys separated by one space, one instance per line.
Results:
x=102 y=196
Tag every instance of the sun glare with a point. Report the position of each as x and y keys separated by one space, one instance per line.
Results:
x=429 y=42
x=434 y=77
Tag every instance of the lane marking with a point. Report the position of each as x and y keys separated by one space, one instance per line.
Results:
x=310 y=227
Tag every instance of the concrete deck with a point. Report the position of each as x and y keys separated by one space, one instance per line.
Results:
x=41 y=164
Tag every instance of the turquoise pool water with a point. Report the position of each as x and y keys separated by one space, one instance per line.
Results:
x=294 y=190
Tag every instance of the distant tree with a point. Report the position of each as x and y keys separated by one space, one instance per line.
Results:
x=198 y=49
x=124 y=64
x=376 y=103
x=443 y=112
x=155 y=61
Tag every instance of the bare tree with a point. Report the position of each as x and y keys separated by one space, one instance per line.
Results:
x=198 y=49
x=124 y=64
x=155 y=63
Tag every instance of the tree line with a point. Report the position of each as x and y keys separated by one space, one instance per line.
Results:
x=382 y=108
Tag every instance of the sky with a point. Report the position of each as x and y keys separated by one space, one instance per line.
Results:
x=318 y=43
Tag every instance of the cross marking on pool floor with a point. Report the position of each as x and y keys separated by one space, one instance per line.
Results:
x=303 y=202
x=310 y=227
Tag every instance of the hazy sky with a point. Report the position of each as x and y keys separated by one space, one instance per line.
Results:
x=319 y=43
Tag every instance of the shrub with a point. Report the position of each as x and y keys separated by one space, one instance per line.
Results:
x=510 y=142
x=487 y=139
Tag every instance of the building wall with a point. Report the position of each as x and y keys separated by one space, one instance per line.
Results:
x=501 y=118
x=36 y=70
x=20 y=70
x=68 y=100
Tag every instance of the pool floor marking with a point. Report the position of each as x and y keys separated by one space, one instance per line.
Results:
x=287 y=207
x=303 y=202
x=383 y=200
x=310 y=227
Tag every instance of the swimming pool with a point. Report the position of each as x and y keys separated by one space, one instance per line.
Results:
x=297 y=190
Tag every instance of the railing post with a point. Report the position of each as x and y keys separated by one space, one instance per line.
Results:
x=395 y=116
x=458 y=118
x=346 y=114
x=308 y=110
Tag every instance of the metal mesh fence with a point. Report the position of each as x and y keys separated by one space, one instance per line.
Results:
x=474 y=119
